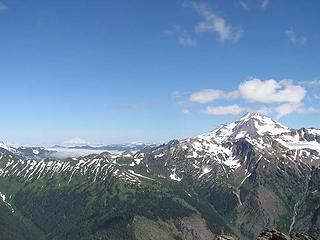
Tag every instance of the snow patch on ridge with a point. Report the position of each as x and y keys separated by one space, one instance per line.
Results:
x=205 y=170
x=174 y=176
x=297 y=142
x=296 y=145
x=36 y=152
x=6 y=147
x=3 y=198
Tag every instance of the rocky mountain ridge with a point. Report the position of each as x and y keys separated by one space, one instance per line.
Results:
x=272 y=234
x=63 y=152
x=252 y=173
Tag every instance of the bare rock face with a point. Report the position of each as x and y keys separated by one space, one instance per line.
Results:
x=276 y=235
x=301 y=236
x=272 y=235
x=225 y=237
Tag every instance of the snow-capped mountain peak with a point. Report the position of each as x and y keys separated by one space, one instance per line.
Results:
x=259 y=124
x=250 y=125
x=6 y=147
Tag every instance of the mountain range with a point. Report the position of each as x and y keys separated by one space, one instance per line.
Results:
x=237 y=180
x=134 y=147
x=62 y=152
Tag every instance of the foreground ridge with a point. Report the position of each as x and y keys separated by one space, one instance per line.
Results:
x=272 y=234
x=275 y=234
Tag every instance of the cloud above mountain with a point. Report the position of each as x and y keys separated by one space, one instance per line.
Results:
x=209 y=95
x=223 y=110
x=211 y=22
x=255 y=90
x=281 y=97
x=269 y=91
x=75 y=141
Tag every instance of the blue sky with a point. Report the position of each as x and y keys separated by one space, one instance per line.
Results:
x=121 y=71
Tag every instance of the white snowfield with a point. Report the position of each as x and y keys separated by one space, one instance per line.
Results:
x=296 y=142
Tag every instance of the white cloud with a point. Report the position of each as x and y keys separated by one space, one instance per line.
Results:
x=288 y=108
x=311 y=82
x=311 y=110
x=179 y=98
x=75 y=141
x=211 y=22
x=271 y=91
x=277 y=96
x=209 y=95
x=293 y=38
x=264 y=4
x=223 y=110
x=138 y=106
x=184 y=38
x=244 y=4
x=281 y=110
x=263 y=110
x=3 y=7
x=255 y=90
x=174 y=29
x=214 y=23
x=234 y=109
x=187 y=41
x=186 y=111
